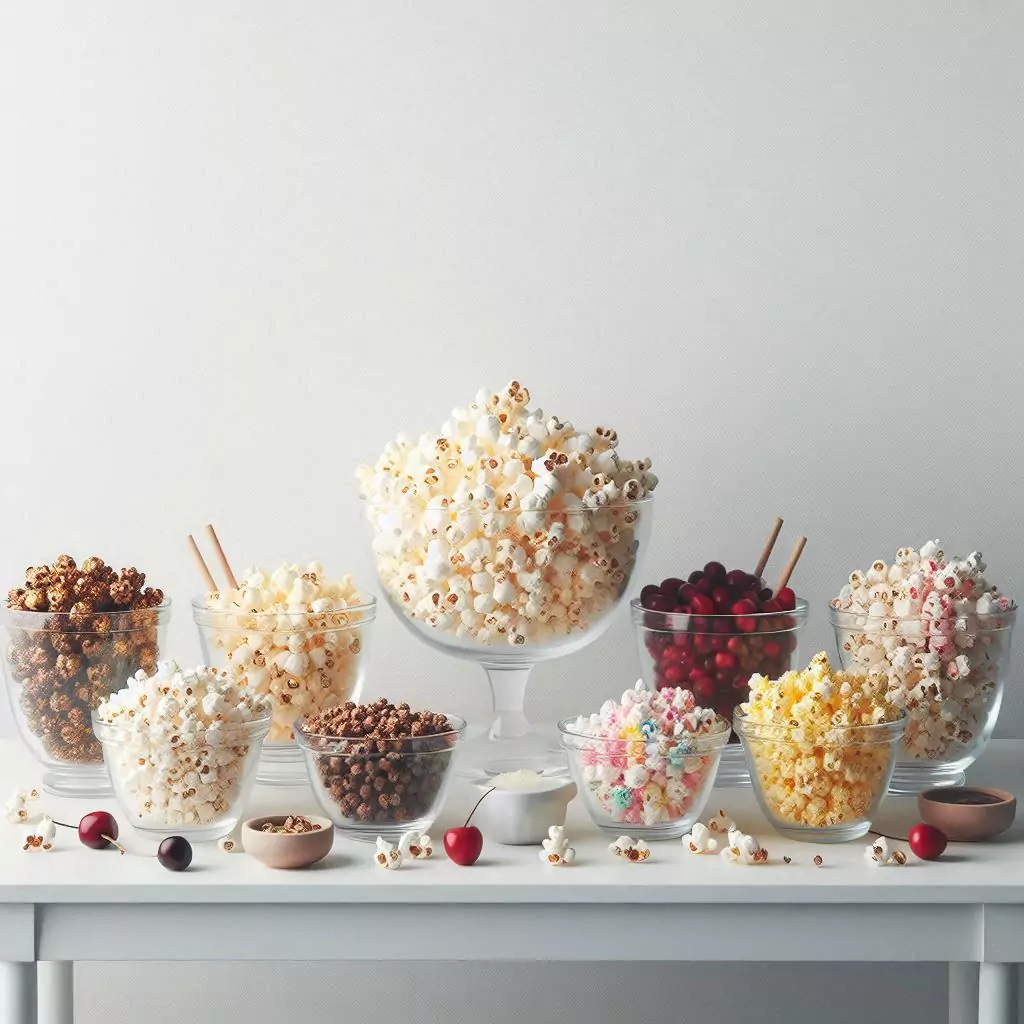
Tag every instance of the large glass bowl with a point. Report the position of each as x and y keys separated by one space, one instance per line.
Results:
x=821 y=787
x=307 y=661
x=651 y=789
x=58 y=668
x=715 y=656
x=189 y=789
x=508 y=589
x=380 y=787
x=950 y=683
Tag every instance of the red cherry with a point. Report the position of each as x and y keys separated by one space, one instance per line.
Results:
x=702 y=643
x=771 y=649
x=704 y=691
x=735 y=644
x=714 y=571
x=673 y=675
x=704 y=586
x=686 y=592
x=670 y=586
x=701 y=604
x=786 y=599
x=695 y=577
x=647 y=593
x=926 y=841
x=771 y=605
x=722 y=596
x=175 y=853
x=726 y=660
x=737 y=579
x=744 y=606
x=682 y=641
x=659 y=603
x=98 y=830
x=746 y=624
x=464 y=845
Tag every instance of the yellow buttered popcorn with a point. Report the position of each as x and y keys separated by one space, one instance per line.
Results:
x=821 y=743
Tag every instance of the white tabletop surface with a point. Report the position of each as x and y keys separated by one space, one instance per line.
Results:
x=992 y=872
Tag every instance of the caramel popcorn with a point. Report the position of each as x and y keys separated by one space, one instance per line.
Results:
x=817 y=760
x=76 y=634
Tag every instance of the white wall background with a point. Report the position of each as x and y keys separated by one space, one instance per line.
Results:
x=777 y=246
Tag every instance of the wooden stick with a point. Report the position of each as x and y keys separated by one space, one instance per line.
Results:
x=211 y=584
x=222 y=558
x=791 y=564
x=769 y=544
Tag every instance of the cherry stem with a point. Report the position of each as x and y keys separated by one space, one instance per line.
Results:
x=64 y=824
x=114 y=842
x=477 y=804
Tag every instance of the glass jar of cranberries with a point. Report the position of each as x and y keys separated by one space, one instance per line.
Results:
x=710 y=633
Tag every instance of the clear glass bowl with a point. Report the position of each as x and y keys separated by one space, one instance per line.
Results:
x=307 y=661
x=822 y=788
x=508 y=589
x=679 y=776
x=951 y=684
x=58 y=668
x=380 y=787
x=715 y=656
x=194 y=790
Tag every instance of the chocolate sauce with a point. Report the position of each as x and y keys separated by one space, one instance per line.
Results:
x=964 y=796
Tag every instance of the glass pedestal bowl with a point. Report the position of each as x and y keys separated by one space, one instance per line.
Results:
x=508 y=589
x=715 y=656
x=59 y=667
x=950 y=684
x=307 y=661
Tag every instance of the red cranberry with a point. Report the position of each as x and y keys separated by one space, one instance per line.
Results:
x=737 y=579
x=771 y=649
x=746 y=624
x=682 y=641
x=704 y=586
x=647 y=593
x=704 y=691
x=670 y=587
x=771 y=605
x=702 y=643
x=686 y=592
x=660 y=603
x=744 y=606
x=725 y=660
x=695 y=577
x=702 y=605
x=714 y=571
x=786 y=599
x=673 y=675
x=718 y=643
x=722 y=597
x=736 y=645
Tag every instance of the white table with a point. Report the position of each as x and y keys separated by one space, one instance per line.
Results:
x=79 y=904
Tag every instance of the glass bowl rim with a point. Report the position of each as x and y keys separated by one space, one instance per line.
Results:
x=15 y=617
x=618 y=505
x=202 y=615
x=253 y=729
x=781 y=732
x=719 y=737
x=802 y=610
x=837 y=618
x=457 y=723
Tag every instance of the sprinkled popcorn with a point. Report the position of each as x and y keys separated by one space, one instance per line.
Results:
x=938 y=634
x=507 y=525
x=647 y=760
x=816 y=760
x=291 y=635
x=178 y=745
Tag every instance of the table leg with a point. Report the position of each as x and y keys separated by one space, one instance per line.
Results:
x=55 y=991
x=17 y=992
x=963 y=993
x=997 y=994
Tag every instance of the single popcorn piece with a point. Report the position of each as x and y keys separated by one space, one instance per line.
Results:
x=650 y=758
x=743 y=849
x=721 y=823
x=41 y=837
x=556 y=850
x=938 y=634
x=291 y=635
x=635 y=850
x=700 y=840
x=416 y=846
x=878 y=852
x=815 y=768
x=508 y=525
x=16 y=810
x=387 y=855
x=178 y=744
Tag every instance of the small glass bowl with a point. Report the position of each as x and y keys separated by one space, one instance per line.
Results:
x=715 y=656
x=380 y=787
x=949 y=720
x=156 y=803
x=679 y=775
x=847 y=769
x=307 y=661
x=58 y=668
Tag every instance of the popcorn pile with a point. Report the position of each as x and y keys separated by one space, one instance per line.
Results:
x=811 y=767
x=289 y=634
x=507 y=525
x=179 y=743
x=936 y=634
x=650 y=758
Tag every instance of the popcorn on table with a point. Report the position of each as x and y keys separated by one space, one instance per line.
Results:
x=41 y=837
x=16 y=809
x=816 y=773
x=700 y=840
x=416 y=845
x=292 y=635
x=934 y=629
x=743 y=849
x=507 y=525
x=183 y=742
x=648 y=760
x=387 y=855
x=635 y=850
x=556 y=849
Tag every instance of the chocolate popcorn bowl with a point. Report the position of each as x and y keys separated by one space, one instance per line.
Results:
x=508 y=589
x=58 y=667
x=307 y=661
x=950 y=683
x=372 y=786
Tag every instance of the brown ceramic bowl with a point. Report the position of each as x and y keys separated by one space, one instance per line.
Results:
x=284 y=850
x=968 y=813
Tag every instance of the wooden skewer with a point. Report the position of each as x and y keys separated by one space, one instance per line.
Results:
x=211 y=584
x=221 y=557
x=769 y=544
x=791 y=564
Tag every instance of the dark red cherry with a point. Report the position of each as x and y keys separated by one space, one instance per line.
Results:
x=715 y=571
x=695 y=577
x=670 y=586
x=647 y=593
x=786 y=599
x=175 y=853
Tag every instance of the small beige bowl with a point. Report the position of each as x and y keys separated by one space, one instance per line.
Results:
x=968 y=814
x=283 y=850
